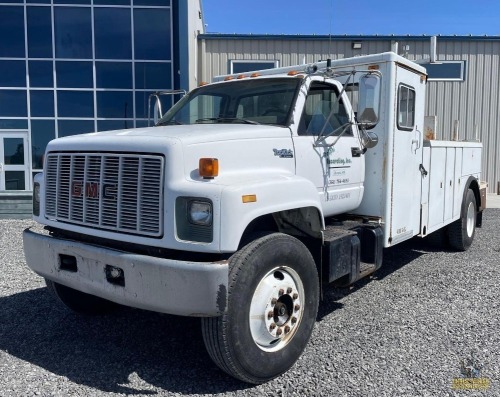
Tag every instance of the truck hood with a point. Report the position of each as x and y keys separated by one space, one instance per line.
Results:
x=146 y=139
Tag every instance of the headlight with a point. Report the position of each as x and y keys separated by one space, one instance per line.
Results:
x=200 y=213
x=36 y=192
x=36 y=199
x=194 y=219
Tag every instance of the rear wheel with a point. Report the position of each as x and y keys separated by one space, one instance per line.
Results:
x=78 y=301
x=461 y=232
x=438 y=239
x=272 y=306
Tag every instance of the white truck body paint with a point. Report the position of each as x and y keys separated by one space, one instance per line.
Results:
x=281 y=166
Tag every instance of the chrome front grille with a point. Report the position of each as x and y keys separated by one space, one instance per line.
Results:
x=118 y=192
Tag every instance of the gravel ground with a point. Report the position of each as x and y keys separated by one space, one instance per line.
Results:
x=401 y=333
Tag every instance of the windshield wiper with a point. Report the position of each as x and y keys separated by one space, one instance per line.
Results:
x=230 y=119
x=169 y=122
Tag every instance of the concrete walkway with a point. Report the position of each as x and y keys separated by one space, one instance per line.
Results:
x=492 y=200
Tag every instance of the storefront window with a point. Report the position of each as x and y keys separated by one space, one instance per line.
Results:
x=113 y=74
x=75 y=103
x=114 y=104
x=39 y=32
x=152 y=34
x=73 y=32
x=72 y=74
x=12 y=31
x=12 y=74
x=42 y=103
x=40 y=73
x=153 y=75
x=74 y=127
x=42 y=132
x=113 y=33
x=13 y=103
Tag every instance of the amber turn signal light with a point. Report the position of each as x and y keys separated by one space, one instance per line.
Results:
x=249 y=198
x=209 y=167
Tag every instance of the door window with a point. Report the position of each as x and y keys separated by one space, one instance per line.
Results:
x=406 y=107
x=13 y=151
x=14 y=164
x=324 y=112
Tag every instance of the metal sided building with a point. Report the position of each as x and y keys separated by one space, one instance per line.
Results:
x=463 y=75
x=76 y=66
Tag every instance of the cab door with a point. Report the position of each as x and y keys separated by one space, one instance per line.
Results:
x=407 y=155
x=327 y=147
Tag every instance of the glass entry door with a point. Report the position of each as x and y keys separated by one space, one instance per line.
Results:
x=14 y=161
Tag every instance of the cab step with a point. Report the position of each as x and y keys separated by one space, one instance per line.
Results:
x=366 y=269
x=351 y=251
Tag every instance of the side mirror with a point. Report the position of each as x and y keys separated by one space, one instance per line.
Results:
x=369 y=100
x=369 y=139
x=157 y=112
x=157 y=107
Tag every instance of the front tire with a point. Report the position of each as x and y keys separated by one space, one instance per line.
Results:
x=272 y=305
x=461 y=232
x=78 y=301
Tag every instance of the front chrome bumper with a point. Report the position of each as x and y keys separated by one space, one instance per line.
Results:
x=162 y=285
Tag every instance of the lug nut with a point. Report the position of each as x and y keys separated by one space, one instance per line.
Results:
x=289 y=290
x=274 y=301
x=297 y=307
x=294 y=320
x=270 y=314
x=272 y=326
x=281 y=292
x=295 y=296
x=287 y=329
x=279 y=331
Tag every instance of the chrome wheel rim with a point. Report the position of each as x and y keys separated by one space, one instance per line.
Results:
x=276 y=309
x=471 y=219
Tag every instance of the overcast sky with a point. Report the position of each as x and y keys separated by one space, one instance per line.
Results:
x=385 y=17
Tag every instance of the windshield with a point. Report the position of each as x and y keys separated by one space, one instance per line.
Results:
x=255 y=101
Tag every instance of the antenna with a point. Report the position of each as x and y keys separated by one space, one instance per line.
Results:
x=330 y=32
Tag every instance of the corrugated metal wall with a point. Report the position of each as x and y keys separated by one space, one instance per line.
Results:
x=475 y=102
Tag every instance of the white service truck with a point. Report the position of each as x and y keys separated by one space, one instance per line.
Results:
x=248 y=196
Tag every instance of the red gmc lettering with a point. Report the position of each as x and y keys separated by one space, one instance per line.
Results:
x=76 y=189
x=91 y=189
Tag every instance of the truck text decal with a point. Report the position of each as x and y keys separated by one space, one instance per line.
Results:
x=283 y=153
x=339 y=162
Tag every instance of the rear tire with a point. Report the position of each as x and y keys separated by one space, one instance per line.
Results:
x=461 y=232
x=78 y=301
x=438 y=239
x=272 y=305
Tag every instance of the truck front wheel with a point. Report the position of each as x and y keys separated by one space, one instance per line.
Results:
x=272 y=305
x=461 y=232
x=79 y=302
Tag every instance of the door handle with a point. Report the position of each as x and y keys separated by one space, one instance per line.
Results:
x=356 y=152
x=1 y=166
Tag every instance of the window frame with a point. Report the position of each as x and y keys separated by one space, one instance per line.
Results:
x=275 y=62
x=302 y=129
x=463 y=70
x=403 y=127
